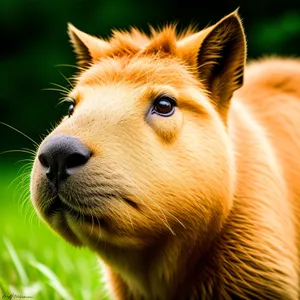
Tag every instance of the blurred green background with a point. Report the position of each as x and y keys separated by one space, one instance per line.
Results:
x=34 y=43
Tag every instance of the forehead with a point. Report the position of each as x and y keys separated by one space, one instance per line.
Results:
x=124 y=80
x=140 y=71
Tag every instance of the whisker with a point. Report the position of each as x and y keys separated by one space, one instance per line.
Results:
x=79 y=210
x=27 y=209
x=63 y=88
x=14 y=180
x=165 y=221
x=30 y=150
x=44 y=204
x=32 y=216
x=14 y=151
x=17 y=130
x=23 y=183
x=23 y=199
x=28 y=164
x=175 y=218
x=56 y=90
x=67 y=79
x=71 y=66
x=64 y=99
x=160 y=208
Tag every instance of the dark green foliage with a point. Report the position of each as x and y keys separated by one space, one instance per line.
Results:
x=34 y=42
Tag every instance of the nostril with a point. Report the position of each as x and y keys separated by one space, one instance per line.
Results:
x=60 y=155
x=77 y=159
x=43 y=160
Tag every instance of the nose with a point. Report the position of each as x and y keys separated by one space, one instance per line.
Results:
x=61 y=155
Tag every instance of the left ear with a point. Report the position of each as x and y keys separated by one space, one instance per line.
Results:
x=87 y=47
x=221 y=60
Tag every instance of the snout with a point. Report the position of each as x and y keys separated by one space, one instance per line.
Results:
x=78 y=193
x=61 y=156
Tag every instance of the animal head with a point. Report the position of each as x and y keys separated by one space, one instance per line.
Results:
x=144 y=151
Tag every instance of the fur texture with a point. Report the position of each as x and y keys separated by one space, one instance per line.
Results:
x=202 y=204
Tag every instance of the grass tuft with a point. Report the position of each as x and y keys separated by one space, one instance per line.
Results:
x=16 y=261
x=53 y=280
x=35 y=262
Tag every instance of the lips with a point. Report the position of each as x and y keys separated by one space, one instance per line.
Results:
x=58 y=205
x=82 y=217
x=74 y=225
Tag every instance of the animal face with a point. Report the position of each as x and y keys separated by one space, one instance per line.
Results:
x=144 y=151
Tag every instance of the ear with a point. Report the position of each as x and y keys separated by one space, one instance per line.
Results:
x=221 y=59
x=87 y=48
x=188 y=47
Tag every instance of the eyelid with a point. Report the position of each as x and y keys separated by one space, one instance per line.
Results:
x=162 y=95
x=71 y=100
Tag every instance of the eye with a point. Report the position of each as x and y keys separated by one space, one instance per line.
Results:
x=164 y=106
x=71 y=110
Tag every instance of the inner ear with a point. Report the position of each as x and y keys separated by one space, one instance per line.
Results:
x=87 y=47
x=84 y=57
x=221 y=60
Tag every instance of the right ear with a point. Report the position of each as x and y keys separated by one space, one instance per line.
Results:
x=87 y=48
x=219 y=54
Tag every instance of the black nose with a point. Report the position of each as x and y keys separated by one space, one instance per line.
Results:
x=62 y=155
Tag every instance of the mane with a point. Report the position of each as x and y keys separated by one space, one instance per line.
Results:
x=134 y=41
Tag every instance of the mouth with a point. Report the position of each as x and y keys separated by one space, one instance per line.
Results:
x=82 y=222
x=69 y=221
x=59 y=206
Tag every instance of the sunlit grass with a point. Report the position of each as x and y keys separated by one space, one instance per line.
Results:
x=34 y=261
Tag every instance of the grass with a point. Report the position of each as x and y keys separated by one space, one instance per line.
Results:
x=34 y=261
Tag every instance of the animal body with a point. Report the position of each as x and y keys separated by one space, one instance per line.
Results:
x=178 y=166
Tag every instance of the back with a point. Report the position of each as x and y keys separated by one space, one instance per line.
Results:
x=271 y=93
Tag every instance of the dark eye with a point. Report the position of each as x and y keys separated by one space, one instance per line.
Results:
x=71 y=110
x=164 y=106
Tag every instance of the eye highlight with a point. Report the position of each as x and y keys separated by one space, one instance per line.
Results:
x=164 y=106
x=71 y=110
x=72 y=104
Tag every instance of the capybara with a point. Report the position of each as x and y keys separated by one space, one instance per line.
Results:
x=178 y=165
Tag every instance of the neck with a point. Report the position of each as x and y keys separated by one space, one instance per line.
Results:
x=158 y=272
x=246 y=255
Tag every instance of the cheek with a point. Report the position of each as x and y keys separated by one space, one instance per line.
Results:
x=166 y=128
x=192 y=183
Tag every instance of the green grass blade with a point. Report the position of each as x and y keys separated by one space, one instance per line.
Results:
x=4 y=286
x=54 y=281
x=19 y=267
x=33 y=290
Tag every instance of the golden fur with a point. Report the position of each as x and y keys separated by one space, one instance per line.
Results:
x=213 y=191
